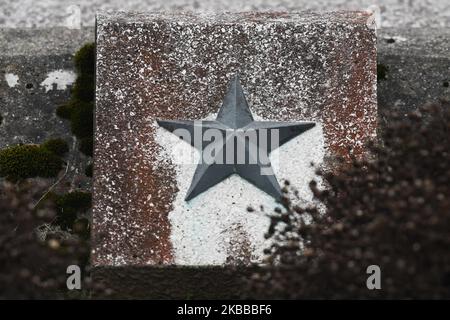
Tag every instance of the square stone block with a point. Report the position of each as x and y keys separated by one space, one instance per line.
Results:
x=292 y=67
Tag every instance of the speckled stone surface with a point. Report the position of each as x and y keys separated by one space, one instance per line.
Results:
x=302 y=66
x=50 y=13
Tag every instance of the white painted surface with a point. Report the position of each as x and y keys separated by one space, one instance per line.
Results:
x=203 y=230
x=12 y=79
x=60 y=78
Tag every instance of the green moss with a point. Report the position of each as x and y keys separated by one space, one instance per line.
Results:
x=81 y=227
x=80 y=109
x=85 y=59
x=89 y=170
x=64 y=111
x=28 y=161
x=69 y=205
x=57 y=146
x=87 y=146
x=84 y=88
x=82 y=120
x=382 y=71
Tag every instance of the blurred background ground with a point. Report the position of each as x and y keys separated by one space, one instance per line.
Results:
x=51 y=13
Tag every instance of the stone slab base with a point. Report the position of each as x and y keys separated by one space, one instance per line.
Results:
x=169 y=282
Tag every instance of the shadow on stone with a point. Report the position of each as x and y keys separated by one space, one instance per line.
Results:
x=169 y=282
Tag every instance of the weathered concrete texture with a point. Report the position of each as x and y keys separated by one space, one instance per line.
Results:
x=36 y=72
x=43 y=42
x=49 y=13
x=418 y=67
x=293 y=67
x=28 y=114
x=427 y=44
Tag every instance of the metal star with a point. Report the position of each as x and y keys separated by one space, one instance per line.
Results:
x=234 y=118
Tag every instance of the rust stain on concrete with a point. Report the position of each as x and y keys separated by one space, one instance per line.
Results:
x=318 y=67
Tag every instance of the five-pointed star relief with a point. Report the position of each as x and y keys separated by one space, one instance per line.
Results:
x=233 y=119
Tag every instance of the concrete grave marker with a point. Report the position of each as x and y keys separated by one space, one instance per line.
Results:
x=293 y=67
